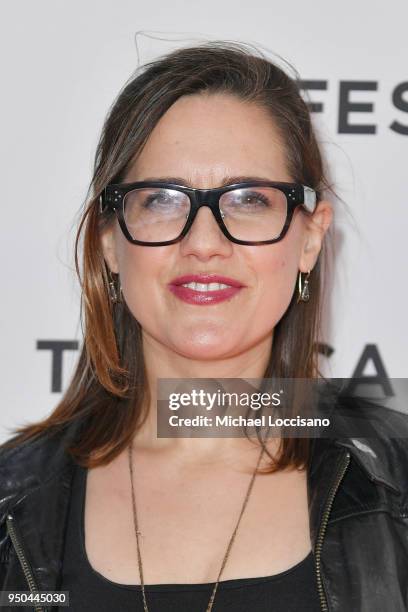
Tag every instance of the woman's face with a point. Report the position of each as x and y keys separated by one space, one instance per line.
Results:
x=203 y=139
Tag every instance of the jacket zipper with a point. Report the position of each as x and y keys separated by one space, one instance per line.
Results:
x=23 y=561
x=322 y=530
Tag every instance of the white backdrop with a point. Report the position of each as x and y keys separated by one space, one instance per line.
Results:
x=62 y=64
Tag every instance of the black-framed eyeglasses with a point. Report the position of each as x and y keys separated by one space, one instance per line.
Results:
x=159 y=213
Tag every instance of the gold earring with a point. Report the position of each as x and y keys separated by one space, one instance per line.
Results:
x=303 y=291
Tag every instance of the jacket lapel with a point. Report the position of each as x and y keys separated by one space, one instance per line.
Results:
x=36 y=490
x=40 y=518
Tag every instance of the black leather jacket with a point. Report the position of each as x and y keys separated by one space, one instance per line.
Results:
x=358 y=508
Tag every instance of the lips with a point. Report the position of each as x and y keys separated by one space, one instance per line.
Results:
x=203 y=298
x=205 y=278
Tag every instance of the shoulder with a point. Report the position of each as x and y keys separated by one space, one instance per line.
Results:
x=377 y=437
x=31 y=463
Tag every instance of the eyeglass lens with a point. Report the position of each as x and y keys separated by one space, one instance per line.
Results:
x=250 y=213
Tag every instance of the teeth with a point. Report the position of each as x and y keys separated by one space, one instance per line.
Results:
x=206 y=286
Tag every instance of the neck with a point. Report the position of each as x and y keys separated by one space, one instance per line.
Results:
x=162 y=363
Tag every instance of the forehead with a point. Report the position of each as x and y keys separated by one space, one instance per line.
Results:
x=206 y=136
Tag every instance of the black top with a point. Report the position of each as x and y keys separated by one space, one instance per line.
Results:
x=89 y=591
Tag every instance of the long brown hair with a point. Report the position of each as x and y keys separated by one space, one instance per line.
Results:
x=108 y=392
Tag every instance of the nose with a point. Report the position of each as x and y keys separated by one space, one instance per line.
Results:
x=205 y=237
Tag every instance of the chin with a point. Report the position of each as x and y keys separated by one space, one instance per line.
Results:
x=203 y=351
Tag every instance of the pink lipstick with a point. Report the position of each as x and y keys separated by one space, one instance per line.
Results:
x=196 y=294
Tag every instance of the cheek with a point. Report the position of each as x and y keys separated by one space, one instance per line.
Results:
x=139 y=271
x=280 y=276
x=277 y=276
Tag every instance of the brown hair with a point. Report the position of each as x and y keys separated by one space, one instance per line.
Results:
x=108 y=391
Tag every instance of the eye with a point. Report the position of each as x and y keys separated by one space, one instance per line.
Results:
x=159 y=197
x=255 y=197
x=248 y=199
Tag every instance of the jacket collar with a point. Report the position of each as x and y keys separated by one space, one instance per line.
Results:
x=379 y=462
x=376 y=436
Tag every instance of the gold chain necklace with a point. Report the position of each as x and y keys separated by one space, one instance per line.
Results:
x=138 y=533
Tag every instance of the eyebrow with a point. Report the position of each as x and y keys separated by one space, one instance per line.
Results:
x=227 y=180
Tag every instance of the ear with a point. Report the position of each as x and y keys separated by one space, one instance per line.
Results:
x=108 y=241
x=317 y=225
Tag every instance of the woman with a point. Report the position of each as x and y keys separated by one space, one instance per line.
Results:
x=95 y=503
